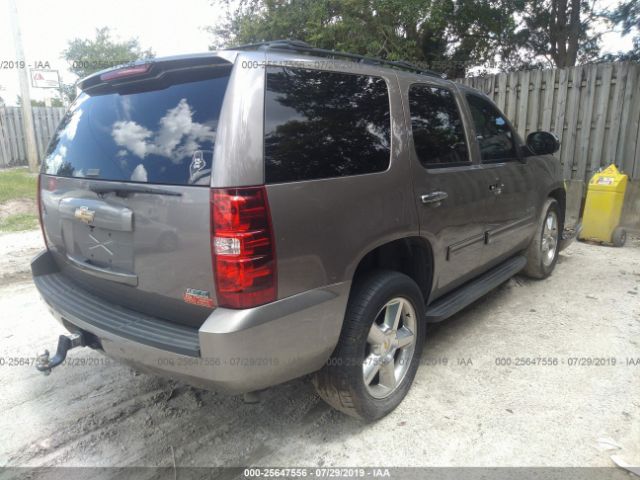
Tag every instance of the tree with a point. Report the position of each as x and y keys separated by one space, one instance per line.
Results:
x=557 y=33
x=627 y=15
x=447 y=35
x=68 y=92
x=55 y=102
x=87 y=56
x=34 y=103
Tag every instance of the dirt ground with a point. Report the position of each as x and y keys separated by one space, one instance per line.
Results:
x=476 y=401
x=20 y=205
x=16 y=251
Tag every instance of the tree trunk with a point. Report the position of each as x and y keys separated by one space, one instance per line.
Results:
x=564 y=32
x=573 y=34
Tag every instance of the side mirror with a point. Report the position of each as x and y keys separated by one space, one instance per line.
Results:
x=543 y=143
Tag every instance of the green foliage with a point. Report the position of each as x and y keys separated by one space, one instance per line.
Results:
x=627 y=15
x=19 y=222
x=69 y=92
x=87 y=56
x=17 y=183
x=557 y=33
x=55 y=102
x=446 y=35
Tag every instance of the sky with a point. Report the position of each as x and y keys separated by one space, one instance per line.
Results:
x=167 y=27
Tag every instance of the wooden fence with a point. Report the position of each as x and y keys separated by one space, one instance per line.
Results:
x=12 y=149
x=594 y=110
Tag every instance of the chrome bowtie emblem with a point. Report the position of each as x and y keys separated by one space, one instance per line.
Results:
x=84 y=214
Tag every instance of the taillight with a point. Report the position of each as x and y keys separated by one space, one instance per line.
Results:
x=242 y=247
x=124 y=72
x=39 y=200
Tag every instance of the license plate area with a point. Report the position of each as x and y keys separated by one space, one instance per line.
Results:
x=102 y=247
x=98 y=233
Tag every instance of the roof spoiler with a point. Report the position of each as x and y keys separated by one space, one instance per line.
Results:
x=148 y=70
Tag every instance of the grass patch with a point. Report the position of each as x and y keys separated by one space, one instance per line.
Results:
x=17 y=183
x=19 y=222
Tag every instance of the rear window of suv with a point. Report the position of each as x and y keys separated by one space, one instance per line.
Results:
x=321 y=124
x=160 y=135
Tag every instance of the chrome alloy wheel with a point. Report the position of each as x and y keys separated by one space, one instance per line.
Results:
x=549 y=238
x=390 y=346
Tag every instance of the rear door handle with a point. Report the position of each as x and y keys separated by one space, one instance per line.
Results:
x=433 y=198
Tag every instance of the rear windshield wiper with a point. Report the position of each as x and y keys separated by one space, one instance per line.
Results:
x=124 y=190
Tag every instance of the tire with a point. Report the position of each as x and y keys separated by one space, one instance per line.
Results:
x=341 y=382
x=619 y=237
x=540 y=262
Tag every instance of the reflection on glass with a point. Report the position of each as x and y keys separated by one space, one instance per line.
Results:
x=156 y=136
x=492 y=131
x=176 y=137
x=324 y=124
x=438 y=133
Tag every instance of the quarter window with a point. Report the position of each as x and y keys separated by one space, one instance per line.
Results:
x=438 y=133
x=324 y=124
x=493 y=133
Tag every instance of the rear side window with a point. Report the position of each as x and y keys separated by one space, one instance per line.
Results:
x=494 y=135
x=438 y=132
x=157 y=135
x=324 y=124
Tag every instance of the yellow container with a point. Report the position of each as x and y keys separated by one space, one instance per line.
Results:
x=603 y=208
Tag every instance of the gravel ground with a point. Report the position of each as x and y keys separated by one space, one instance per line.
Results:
x=16 y=251
x=463 y=410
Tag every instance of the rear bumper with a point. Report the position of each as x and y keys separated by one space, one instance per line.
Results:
x=234 y=351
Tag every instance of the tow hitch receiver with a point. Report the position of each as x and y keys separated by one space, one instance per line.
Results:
x=65 y=343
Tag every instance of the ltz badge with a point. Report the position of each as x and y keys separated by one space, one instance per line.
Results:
x=198 y=297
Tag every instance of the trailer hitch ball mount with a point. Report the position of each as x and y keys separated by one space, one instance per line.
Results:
x=44 y=364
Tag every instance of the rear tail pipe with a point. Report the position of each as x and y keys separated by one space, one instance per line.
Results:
x=45 y=364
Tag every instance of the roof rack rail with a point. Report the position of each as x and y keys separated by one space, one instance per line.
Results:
x=300 y=46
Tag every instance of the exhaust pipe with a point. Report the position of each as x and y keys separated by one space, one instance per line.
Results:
x=45 y=364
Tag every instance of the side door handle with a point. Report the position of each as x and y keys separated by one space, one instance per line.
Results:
x=496 y=188
x=433 y=198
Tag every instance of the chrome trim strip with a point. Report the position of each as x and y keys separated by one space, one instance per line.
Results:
x=104 y=273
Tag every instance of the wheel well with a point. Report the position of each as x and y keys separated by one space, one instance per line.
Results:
x=560 y=196
x=412 y=256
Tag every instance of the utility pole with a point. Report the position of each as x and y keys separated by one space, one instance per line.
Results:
x=27 y=115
